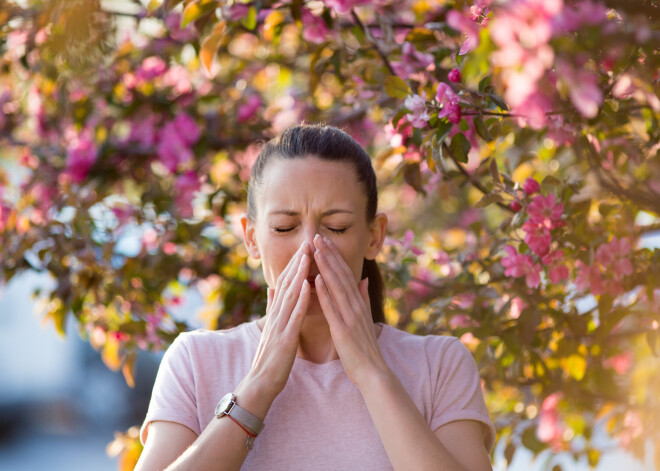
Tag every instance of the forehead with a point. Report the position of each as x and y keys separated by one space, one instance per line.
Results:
x=310 y=184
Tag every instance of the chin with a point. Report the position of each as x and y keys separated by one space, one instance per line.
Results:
x=314 y=307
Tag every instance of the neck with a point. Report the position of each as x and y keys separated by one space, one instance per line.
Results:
x=316 y=344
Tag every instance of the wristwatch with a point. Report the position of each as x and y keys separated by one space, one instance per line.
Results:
x=250 y=423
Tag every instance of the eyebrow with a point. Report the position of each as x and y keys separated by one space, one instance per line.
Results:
x=329 y=212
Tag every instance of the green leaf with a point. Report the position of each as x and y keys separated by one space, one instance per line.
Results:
x=509 y=451
x=413 y=176
x=494 y=172
x=483 y=83
x=442 y=129
x=498 y=101
x=489 y=199
x=397 y=117
x=396 y=87
x=531 y=442
x=250 y=20
x=481 y=129
x=460 y=147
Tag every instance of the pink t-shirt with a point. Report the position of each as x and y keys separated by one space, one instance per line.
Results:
x=319 y=421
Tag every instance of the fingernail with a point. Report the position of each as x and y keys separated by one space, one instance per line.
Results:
x=326 y=240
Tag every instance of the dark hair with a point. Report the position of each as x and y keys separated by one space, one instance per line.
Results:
x=326 y=143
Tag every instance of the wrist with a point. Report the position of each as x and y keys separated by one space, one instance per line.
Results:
x=375 y=379
x=254 y=396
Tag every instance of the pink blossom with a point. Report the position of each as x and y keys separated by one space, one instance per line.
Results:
x=588 y=277
x=186 y=185
x=81 y=155
x=150 y=68
x=5 y=212
x=418 y=115
x=248 y=109
x=531 y=186
x=518 y=265
x=173 y=26
x=176 y=139
x=451 y=109
x=143 y=131
x=557 y=271
x=462 y=23
x=407 y=243
x=620 y=363
x=615 y=258
x=344 y=6
x=150 y=239
x=187 y=128
x=314 y=28
x=537 y=237
x=178 y=78
x=515 y=206
x=633 y=428
x=454 y=76
x=235 y=12
x=545 y=210
x=412 y=60
x=583 y=88
x=517 y=307
x=585 y=12
x=550 y=429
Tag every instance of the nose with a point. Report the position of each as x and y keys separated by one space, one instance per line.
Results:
x=308 y=236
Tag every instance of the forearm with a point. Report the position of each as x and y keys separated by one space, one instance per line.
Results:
x=222 y=444
x=409 y=442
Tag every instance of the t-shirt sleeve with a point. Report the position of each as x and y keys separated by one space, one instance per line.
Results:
x=457 y=394
x=173 y=398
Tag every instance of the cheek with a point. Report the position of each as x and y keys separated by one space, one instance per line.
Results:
x=275 y=255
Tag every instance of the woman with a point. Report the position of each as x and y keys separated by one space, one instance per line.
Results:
x=332 y=386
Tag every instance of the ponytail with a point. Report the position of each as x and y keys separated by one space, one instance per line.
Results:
x=376 y=289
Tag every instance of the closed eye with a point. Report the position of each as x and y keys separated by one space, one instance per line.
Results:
x=283 y=229
x=337 y=230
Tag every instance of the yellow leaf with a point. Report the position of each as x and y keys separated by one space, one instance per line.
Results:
x=210 y=45
x=576 y=366
x=396 y=87
x=273 y=19
x=110 y=354
x=128 y=370
x=195 y=10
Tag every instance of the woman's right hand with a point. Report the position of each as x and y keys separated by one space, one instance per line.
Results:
x=287 y=306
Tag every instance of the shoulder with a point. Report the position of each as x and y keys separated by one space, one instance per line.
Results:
x=204 y=341
x=431 y=345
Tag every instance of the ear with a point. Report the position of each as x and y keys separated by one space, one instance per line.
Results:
x=377 y=231
x=249 y=237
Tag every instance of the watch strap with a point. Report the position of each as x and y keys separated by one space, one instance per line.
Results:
x=247 y=419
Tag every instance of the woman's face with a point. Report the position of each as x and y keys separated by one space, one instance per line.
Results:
x=300 y=198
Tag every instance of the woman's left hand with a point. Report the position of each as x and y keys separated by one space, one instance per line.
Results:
x=347 y=309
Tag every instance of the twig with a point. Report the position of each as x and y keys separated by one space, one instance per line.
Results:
x=367 y=34
x=469 y=177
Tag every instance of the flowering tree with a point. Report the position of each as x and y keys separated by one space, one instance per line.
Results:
x=517 y=144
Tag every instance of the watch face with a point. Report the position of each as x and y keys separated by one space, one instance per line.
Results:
x=223 y=405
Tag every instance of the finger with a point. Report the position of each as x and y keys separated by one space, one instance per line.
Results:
x=363 y=287
x=335 y=256
x=287 y=275
x=270 y=292
x=299 y=311
x=290 y=298
x=342 y=291
x=333 y=317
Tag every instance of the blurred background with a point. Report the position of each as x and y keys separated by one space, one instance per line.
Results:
x=517 y=145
